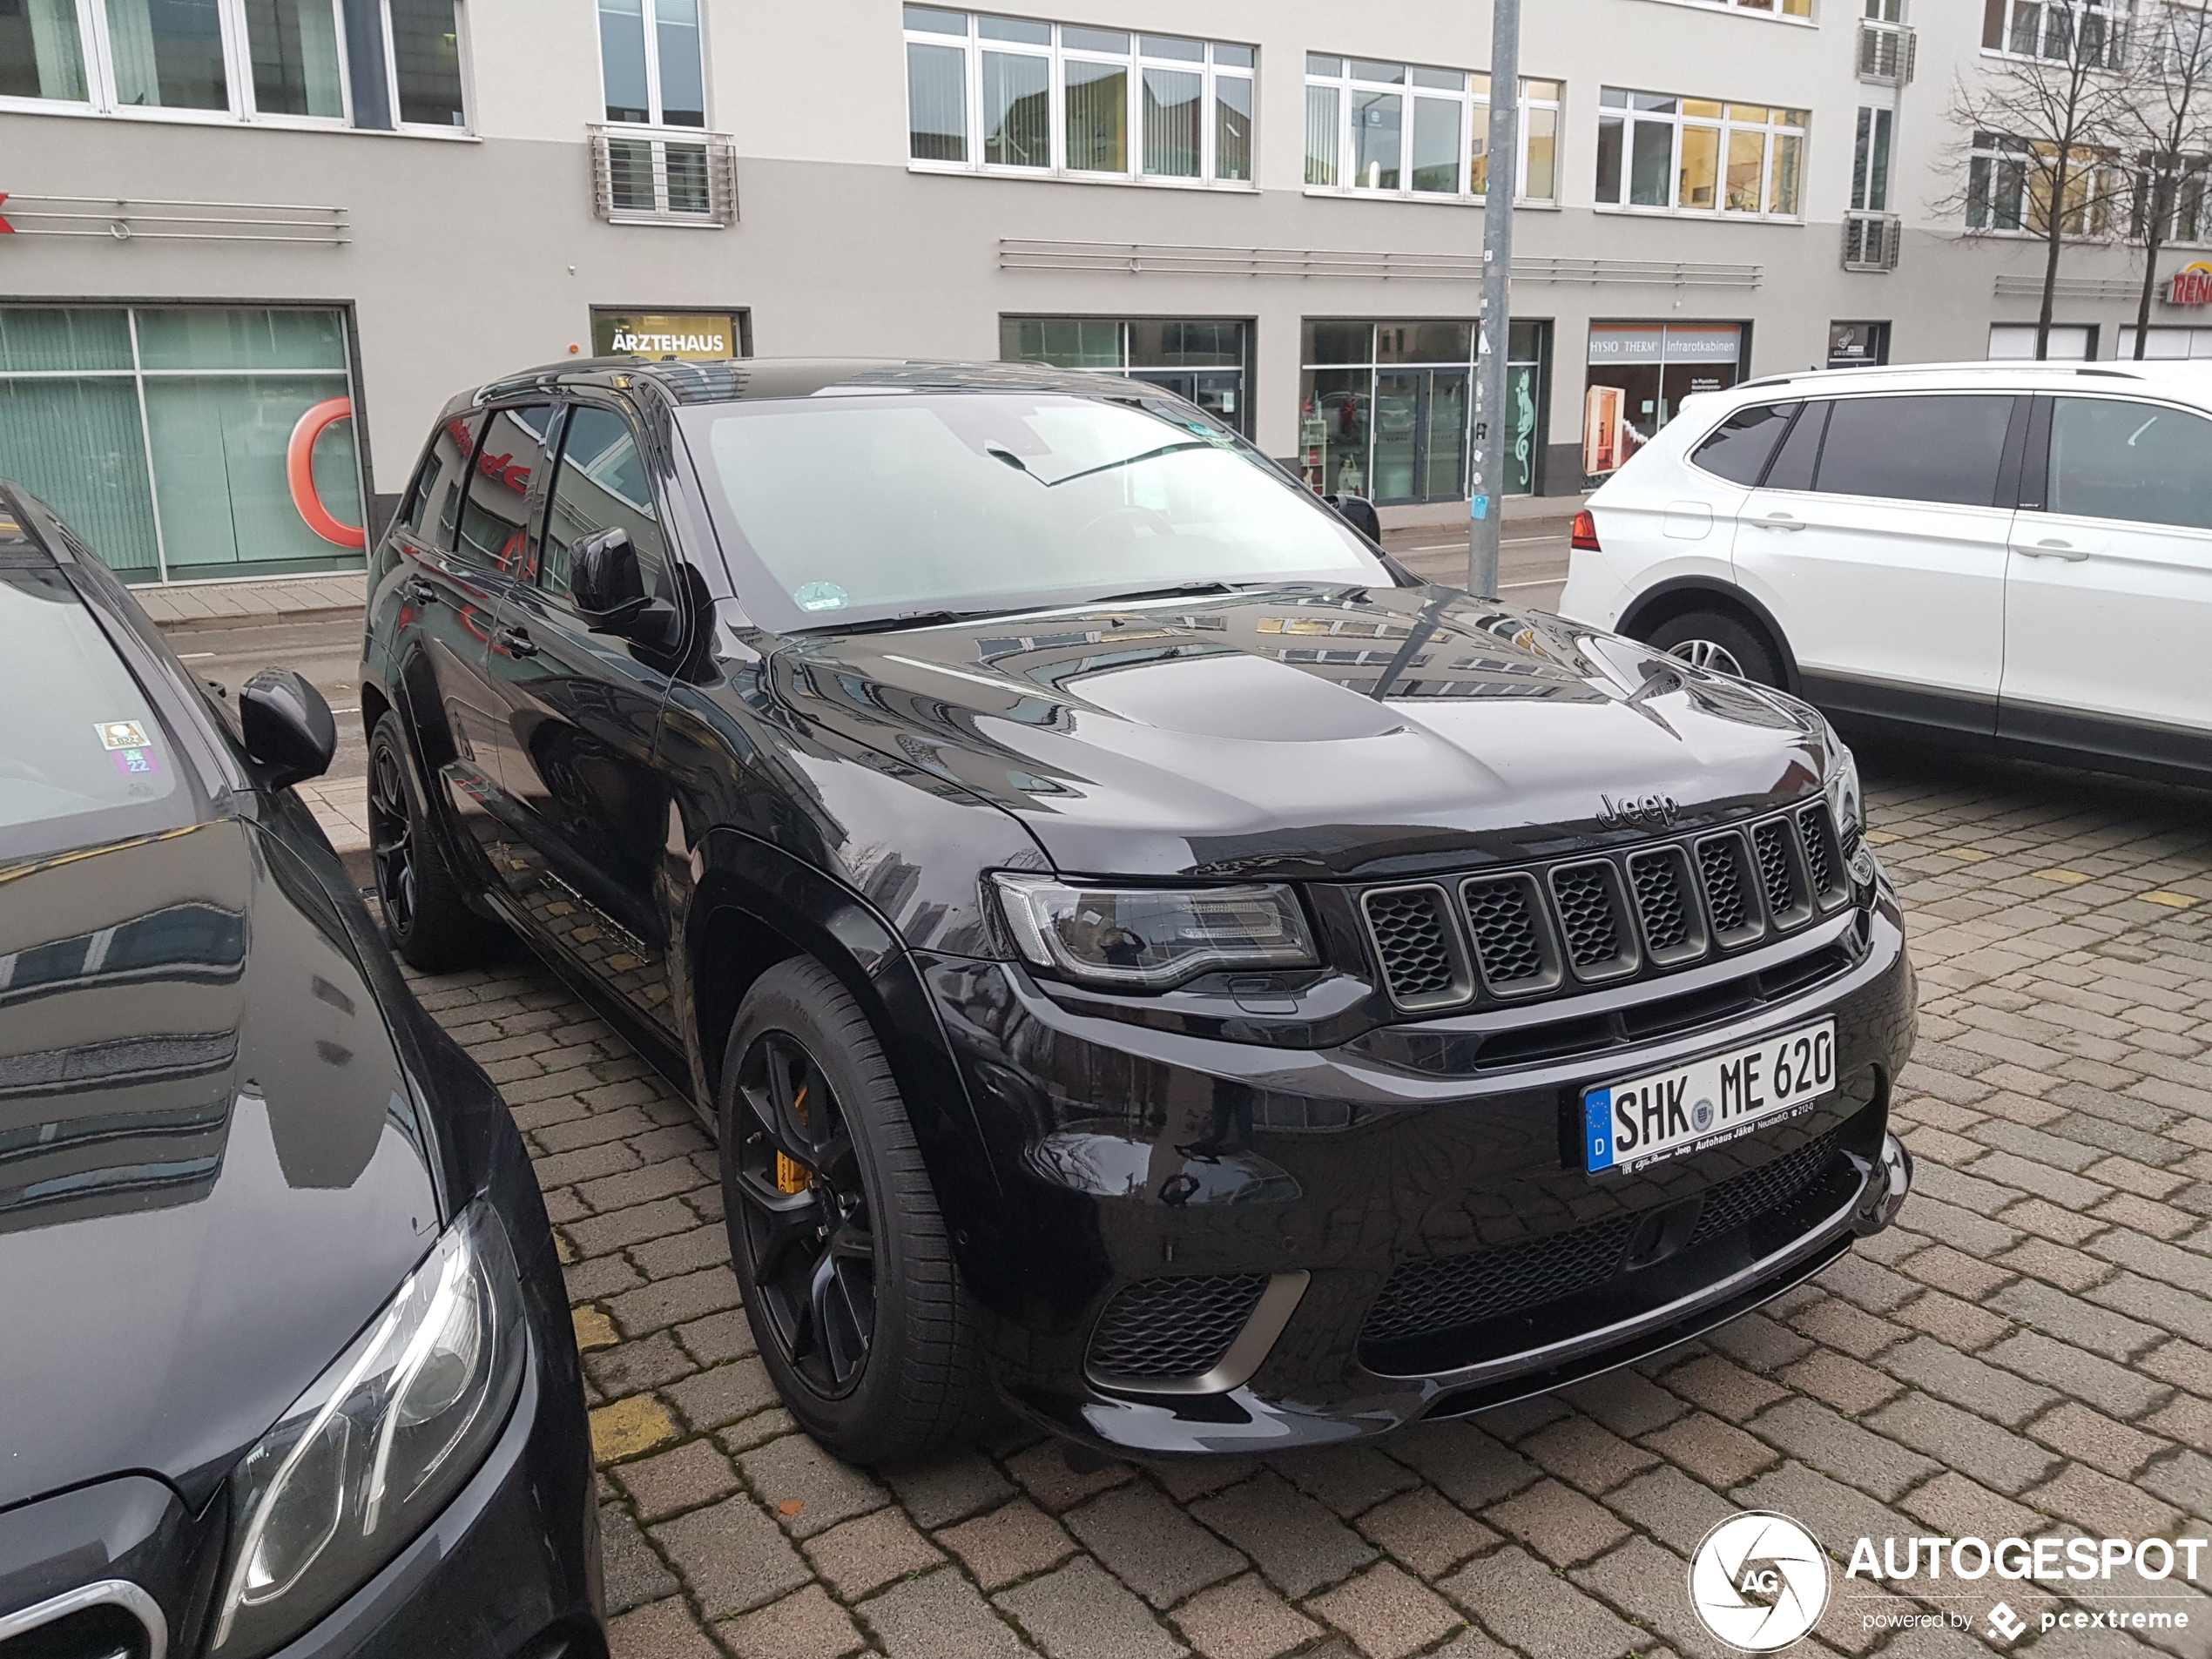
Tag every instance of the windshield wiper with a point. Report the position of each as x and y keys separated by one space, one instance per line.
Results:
x=1178 y=590
x=1126 y=461
x=890 y=625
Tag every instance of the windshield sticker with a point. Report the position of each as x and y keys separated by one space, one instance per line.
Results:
x=121 y=734
x=820 y=596
x=135 y=762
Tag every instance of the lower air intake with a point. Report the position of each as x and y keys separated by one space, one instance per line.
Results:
x=1171 y=1330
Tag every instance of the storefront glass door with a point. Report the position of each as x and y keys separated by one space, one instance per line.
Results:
x=1385 y=409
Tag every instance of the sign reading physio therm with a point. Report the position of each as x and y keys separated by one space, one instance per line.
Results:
x=689 y=336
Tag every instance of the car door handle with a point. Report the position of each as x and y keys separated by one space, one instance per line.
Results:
x=422 y=592
x=517 y=642
x=2053 y=548
x=1780 y=522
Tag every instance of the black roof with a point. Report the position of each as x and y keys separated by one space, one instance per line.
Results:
x=748 y=379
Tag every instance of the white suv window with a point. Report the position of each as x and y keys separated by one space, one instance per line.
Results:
x=2111 y=459
x=1738 y=448
x=1934 y=448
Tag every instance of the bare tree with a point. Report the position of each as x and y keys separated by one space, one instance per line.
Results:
x=2043 y=126
x=2170 y=117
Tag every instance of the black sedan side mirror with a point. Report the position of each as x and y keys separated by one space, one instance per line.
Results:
x=287 y=727
x=1359 y=512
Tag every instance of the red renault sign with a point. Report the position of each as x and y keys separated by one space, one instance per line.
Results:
x=2192 y=285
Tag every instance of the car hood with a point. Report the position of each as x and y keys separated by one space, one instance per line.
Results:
x=211 y=1173
x=1310 y=733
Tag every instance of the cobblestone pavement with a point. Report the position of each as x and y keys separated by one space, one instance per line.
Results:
x=2029 y=1352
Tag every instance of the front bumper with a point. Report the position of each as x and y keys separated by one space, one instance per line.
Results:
x=1127 y=1155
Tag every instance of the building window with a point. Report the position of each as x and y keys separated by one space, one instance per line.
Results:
x=422 y=45
x=2071 y=342
x=277 y=61
x=163 y=433
x=2047 y=29
x=1638 y=374
x=1693 y=155
x=1858 y=345
x=1768 y=8
x=1404 y=129
x=1011 y=95
x=1206 y=360
x=650 y=63
x=1383 y=408
x=1870 y=164
x=2188 y=213
x=2010 y=183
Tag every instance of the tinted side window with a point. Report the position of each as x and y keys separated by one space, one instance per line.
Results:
x=433 y=504
x=493 y=530
x=602 y=484
x=1793 y=463
x=1944 y=448
x=2134 y=460
x=1739 y=447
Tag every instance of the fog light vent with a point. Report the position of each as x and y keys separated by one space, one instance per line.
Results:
x=1169 y=1330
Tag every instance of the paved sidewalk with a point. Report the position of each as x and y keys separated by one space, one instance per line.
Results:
x=280 y=598
x=2030 y=1352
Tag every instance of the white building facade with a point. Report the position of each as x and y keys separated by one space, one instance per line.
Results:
x=256 y=243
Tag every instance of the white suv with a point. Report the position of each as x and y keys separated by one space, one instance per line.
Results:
x=2019 y=553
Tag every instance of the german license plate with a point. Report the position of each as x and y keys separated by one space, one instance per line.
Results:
x=1629 y=1125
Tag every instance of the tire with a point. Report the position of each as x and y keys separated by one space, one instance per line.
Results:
x=915 y=1383
x=427 y=921
x=1717 y=640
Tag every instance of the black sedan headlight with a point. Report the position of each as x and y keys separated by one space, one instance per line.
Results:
x=378 y=1444
x=1151 y=939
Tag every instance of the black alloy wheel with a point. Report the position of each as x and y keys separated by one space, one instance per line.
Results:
x=843 y=1257
x=809 y=1241
x=427 y=922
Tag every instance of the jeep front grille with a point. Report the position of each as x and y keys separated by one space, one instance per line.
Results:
x=1664 y=905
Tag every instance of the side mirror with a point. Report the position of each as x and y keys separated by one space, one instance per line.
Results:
x=287 y=727
x=1359 y=512
x=608 y=591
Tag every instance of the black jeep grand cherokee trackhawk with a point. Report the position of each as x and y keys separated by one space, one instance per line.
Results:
x=1140 y=949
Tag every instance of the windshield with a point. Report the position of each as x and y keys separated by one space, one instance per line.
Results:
x=83 y=759
x=853 y=507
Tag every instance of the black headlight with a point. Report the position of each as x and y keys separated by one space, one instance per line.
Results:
x=378 y=1444
x=1151 y=939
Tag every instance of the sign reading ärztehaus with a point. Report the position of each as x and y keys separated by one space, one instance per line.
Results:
x=689 y=336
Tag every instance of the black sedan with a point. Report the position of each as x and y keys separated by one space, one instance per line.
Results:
x=1139 y=948
x=287 y=1365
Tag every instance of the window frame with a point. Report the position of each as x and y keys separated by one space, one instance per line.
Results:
x=661 y=581
x=657 y=122
x=96 y=54
x=1616 y=107
x=2040 y=455
x=2107 y=179
x=2120 y=18
x=1057 y=54
x=1764 y=10
x=1474 y=116
x=464 y=68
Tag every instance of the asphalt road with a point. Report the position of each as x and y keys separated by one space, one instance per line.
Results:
x=327 y=650
x=1531 y=566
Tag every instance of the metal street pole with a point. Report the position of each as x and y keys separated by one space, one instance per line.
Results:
x=1487 y=460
